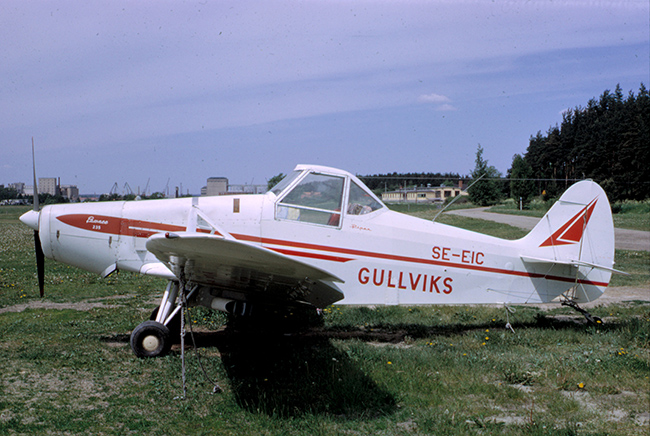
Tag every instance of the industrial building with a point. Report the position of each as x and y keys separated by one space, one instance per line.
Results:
x=220 y=186
x=421 y=194
x=48 y=185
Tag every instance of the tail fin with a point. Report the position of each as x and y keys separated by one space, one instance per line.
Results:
x=576 y=233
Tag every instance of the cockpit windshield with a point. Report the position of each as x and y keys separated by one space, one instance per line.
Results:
x=316 y=199
x=322 y=198
x=285 y=182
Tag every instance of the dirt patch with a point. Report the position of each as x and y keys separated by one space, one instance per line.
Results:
x=621 y=294
x=32 y=388
x=82 y=306
x=611 y=296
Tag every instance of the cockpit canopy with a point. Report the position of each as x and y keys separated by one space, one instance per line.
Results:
x=316 y=195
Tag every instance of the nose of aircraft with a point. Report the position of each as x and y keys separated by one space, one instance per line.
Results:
x=30 y=219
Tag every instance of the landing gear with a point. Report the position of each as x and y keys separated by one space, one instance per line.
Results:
x=154 y=338
x=151 y=339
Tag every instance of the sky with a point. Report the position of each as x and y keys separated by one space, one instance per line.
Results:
x=173 y=92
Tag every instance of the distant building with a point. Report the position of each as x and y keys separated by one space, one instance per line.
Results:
x=220 y=186
x=246 y=189
x=71 y=192
x=422 y=194
x=19 y=187
x=217 y=186
x=48 y=185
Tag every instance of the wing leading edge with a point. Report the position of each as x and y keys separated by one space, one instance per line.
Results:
x=241 y=268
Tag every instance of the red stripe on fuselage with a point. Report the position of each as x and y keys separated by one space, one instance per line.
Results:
x=416 y=260
x=117 y=226
x=145 y=229
x=311 y=255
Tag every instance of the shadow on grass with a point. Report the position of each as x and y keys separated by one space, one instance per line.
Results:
x=289 y=376
x=292 y=375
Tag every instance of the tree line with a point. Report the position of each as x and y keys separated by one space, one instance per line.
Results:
x=607 y=141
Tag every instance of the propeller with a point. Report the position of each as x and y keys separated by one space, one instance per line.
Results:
x=31 y=219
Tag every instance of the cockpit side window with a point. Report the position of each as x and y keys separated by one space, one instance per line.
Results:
x=360 y=201
x=316 y=199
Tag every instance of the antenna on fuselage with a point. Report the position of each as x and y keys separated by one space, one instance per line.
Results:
x=454 y=199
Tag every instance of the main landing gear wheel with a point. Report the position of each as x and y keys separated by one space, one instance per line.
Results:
x=150 y=339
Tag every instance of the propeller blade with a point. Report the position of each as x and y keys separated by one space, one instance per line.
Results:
x=40 y=256
x=35 y=200
x=40 y=263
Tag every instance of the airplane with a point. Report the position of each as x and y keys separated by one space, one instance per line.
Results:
x=321 y=237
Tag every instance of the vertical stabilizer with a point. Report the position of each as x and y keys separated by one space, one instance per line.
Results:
x=577 y=232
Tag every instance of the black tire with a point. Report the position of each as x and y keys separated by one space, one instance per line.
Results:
x=150 y=339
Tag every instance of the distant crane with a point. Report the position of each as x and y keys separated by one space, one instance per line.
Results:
x=146 y=187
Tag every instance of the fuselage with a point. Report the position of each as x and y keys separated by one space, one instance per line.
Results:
x=328 y=219
x=383 y=257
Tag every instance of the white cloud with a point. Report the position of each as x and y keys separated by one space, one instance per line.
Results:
x=446 y=108
x=434 y=98
x=442 y=101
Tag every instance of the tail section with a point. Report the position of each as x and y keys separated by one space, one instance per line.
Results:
x=575 y=239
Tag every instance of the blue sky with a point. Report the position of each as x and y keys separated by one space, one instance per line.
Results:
x=127 y=91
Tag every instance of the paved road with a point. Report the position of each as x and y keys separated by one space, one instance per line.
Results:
x=625 y=239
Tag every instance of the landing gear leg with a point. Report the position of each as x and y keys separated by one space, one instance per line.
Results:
x=169 y=311
x=168 y=308
x=591 y=319
x=154 y=338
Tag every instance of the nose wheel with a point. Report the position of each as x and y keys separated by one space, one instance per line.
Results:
x=151 y=339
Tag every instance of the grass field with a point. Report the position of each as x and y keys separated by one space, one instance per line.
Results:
x=633 y=217
x=67 y=367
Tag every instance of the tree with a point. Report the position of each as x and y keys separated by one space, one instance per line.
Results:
x=484 y=192
x=8 y=194
x=274 y=180
x=110 y=197
x=606 y=141
x=521 y=183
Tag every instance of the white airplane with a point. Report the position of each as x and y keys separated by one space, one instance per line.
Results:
x=321 y=237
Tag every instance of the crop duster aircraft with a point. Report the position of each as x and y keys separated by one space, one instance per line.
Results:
x=321 y=237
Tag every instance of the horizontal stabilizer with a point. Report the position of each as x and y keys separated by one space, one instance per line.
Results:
x=575 y=263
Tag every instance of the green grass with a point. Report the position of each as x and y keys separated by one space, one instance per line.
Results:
x=455 y=370
x=633 y=215
x=10 y=214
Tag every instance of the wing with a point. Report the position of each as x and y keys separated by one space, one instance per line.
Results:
x=243 y=270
